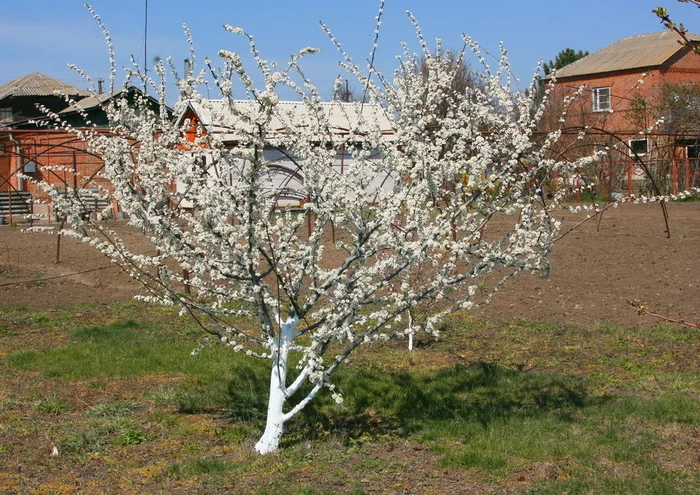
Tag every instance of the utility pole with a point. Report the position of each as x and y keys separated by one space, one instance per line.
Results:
x=145 y=47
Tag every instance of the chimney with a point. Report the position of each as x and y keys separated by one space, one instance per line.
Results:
x=100 y=84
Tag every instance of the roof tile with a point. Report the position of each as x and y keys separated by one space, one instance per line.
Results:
x=634 y=52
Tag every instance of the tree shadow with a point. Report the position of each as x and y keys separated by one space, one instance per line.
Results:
x=379 y=404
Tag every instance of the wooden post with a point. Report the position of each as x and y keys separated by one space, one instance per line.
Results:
x=308 y=218
x=9 y=203
x=674 y=176
x=58 y=241
x=578 y=189
x=629 y=179
x=186 y=278
x=75 y=176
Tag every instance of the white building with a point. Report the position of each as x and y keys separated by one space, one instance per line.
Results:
x=346 y=127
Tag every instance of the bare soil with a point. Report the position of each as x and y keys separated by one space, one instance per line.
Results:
x=596 y=270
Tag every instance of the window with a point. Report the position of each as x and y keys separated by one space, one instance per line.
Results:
x=601 y=99
x=639 y=146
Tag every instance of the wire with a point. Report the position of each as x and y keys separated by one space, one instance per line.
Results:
x=58 y=276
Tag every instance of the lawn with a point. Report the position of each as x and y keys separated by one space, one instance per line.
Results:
x=108 y=399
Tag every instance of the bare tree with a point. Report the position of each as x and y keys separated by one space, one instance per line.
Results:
x=462 y=78
x=345 y=92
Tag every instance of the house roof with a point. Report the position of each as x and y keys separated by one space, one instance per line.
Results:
x=636 y=52
x=92 y=101
x=37 y=84
x=219 y=120
x=98 y=100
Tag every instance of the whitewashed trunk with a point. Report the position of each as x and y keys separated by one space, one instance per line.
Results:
x=274 y=428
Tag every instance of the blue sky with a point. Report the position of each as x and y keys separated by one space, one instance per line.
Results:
x=45 y=35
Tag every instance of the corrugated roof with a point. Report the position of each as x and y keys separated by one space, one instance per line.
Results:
x=636 y=52
x=92 y=101
x=99 y=100
x=37 y=84
x=216 y=117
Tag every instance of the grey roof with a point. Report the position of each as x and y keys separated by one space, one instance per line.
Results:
x=37 y=84
x=636 y=52
x=92 y=101
x=98 y=101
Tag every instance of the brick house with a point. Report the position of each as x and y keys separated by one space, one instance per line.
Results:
x=45 y=154
x=622 y=93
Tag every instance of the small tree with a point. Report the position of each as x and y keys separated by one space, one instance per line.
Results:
x=462 y=79
x=342 y=91
x=565 y=57
x=423 y=235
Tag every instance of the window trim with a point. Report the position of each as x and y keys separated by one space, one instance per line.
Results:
x=631 y=149
x=599 y=96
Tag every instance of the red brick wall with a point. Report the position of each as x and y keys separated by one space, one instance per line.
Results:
x=51 y=149
x=624 y=87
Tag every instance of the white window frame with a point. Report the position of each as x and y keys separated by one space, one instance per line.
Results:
x=632 y=143
x=602 y=99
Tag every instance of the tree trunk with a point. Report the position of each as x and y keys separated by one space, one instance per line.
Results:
x=274 y=427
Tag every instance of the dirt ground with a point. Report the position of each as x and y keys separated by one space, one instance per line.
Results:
x=594 y=271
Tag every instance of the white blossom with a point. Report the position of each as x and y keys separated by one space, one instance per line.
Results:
x=422 y=241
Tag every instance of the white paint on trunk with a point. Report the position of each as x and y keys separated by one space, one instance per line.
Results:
x=274 y=428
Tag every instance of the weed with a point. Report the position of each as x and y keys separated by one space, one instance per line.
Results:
x=52 y=405
x=84 y=441
x=9 y=404
x=235 y=434
x=112 y=410
x=129 y=435
x=198 y=467
x=166 y=419
x=164 y=394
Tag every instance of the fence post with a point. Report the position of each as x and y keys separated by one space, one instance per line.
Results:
x=674 y=176
x=629 y=179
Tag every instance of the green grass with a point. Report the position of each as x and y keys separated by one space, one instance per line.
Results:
x=200 y=466
x=599 y=405
x=115 y=350
x=98 y=434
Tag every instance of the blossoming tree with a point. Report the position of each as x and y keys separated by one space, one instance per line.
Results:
x=422 y=236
